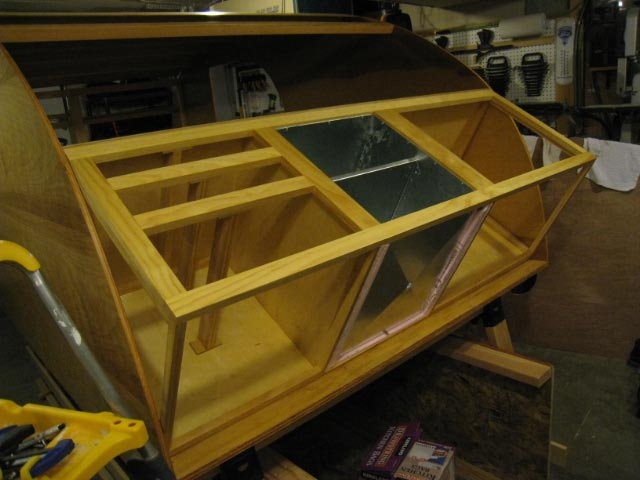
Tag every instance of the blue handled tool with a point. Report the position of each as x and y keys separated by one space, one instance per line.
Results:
x=11 y=437
x=52 y=457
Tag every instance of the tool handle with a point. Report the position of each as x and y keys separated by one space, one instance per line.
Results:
x=12 y=252
x=52 y=457
x=10 y=439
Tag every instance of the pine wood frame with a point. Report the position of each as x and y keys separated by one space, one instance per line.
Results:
x=78 y=179
x=179 y=304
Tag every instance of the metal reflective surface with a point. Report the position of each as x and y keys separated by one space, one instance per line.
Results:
x=390 y=177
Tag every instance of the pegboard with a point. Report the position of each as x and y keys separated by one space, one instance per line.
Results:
x=516 y=90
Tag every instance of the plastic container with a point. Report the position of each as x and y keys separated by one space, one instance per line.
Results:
x=98 y=437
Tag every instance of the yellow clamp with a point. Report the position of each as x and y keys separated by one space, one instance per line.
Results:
x=12 y=252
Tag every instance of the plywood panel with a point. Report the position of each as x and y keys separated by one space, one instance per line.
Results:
x=219 y=386
x=503 y=155
x=43 y=210
x=451 y=125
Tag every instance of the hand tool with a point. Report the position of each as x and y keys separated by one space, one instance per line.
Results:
x=11 y=438
x=41 y=438
x=49 y=458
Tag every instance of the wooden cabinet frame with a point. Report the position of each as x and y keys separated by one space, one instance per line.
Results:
x=230 y=226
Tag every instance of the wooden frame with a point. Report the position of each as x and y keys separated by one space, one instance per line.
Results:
x=230 y=226
x=178 y=304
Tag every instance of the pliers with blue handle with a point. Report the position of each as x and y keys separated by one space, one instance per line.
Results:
x=52 y=457
x=10 y=438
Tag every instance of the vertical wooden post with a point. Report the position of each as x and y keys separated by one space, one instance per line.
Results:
x=78 y=129
x=171 y=380
x=218 y=267
x=495 y=326
x=499 y=336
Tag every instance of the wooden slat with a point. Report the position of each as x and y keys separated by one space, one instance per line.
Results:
x=157 y=278
x=258 y=279
x=426 y=142
x=277 y=467
x=187 y=137
x=176 y=216
x=171 y=378
x=103 y=151
x=195 y=171
x=510 y=365
x=56 y=32
x=218 y=268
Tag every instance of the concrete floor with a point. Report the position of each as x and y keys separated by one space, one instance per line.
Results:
x=594 y=415
x=594 y=406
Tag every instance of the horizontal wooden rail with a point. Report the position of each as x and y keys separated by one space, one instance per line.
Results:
x=195 y=171
x=247 y=283
x=187 y=137
x=188 y=213
x=61 y=32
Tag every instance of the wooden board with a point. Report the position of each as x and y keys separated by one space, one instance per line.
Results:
x=219 y=386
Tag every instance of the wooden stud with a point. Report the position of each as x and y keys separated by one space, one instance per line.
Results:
x=277 y=467
x=218 y=267
x=499 y=336
x=171 y=379
x=558 y=453
x=510 y=365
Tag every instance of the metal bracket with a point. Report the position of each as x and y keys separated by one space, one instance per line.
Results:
x=244 y=466
x=492 y=314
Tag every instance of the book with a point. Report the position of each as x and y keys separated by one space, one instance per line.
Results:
x=388 y=453
x=427 y=461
